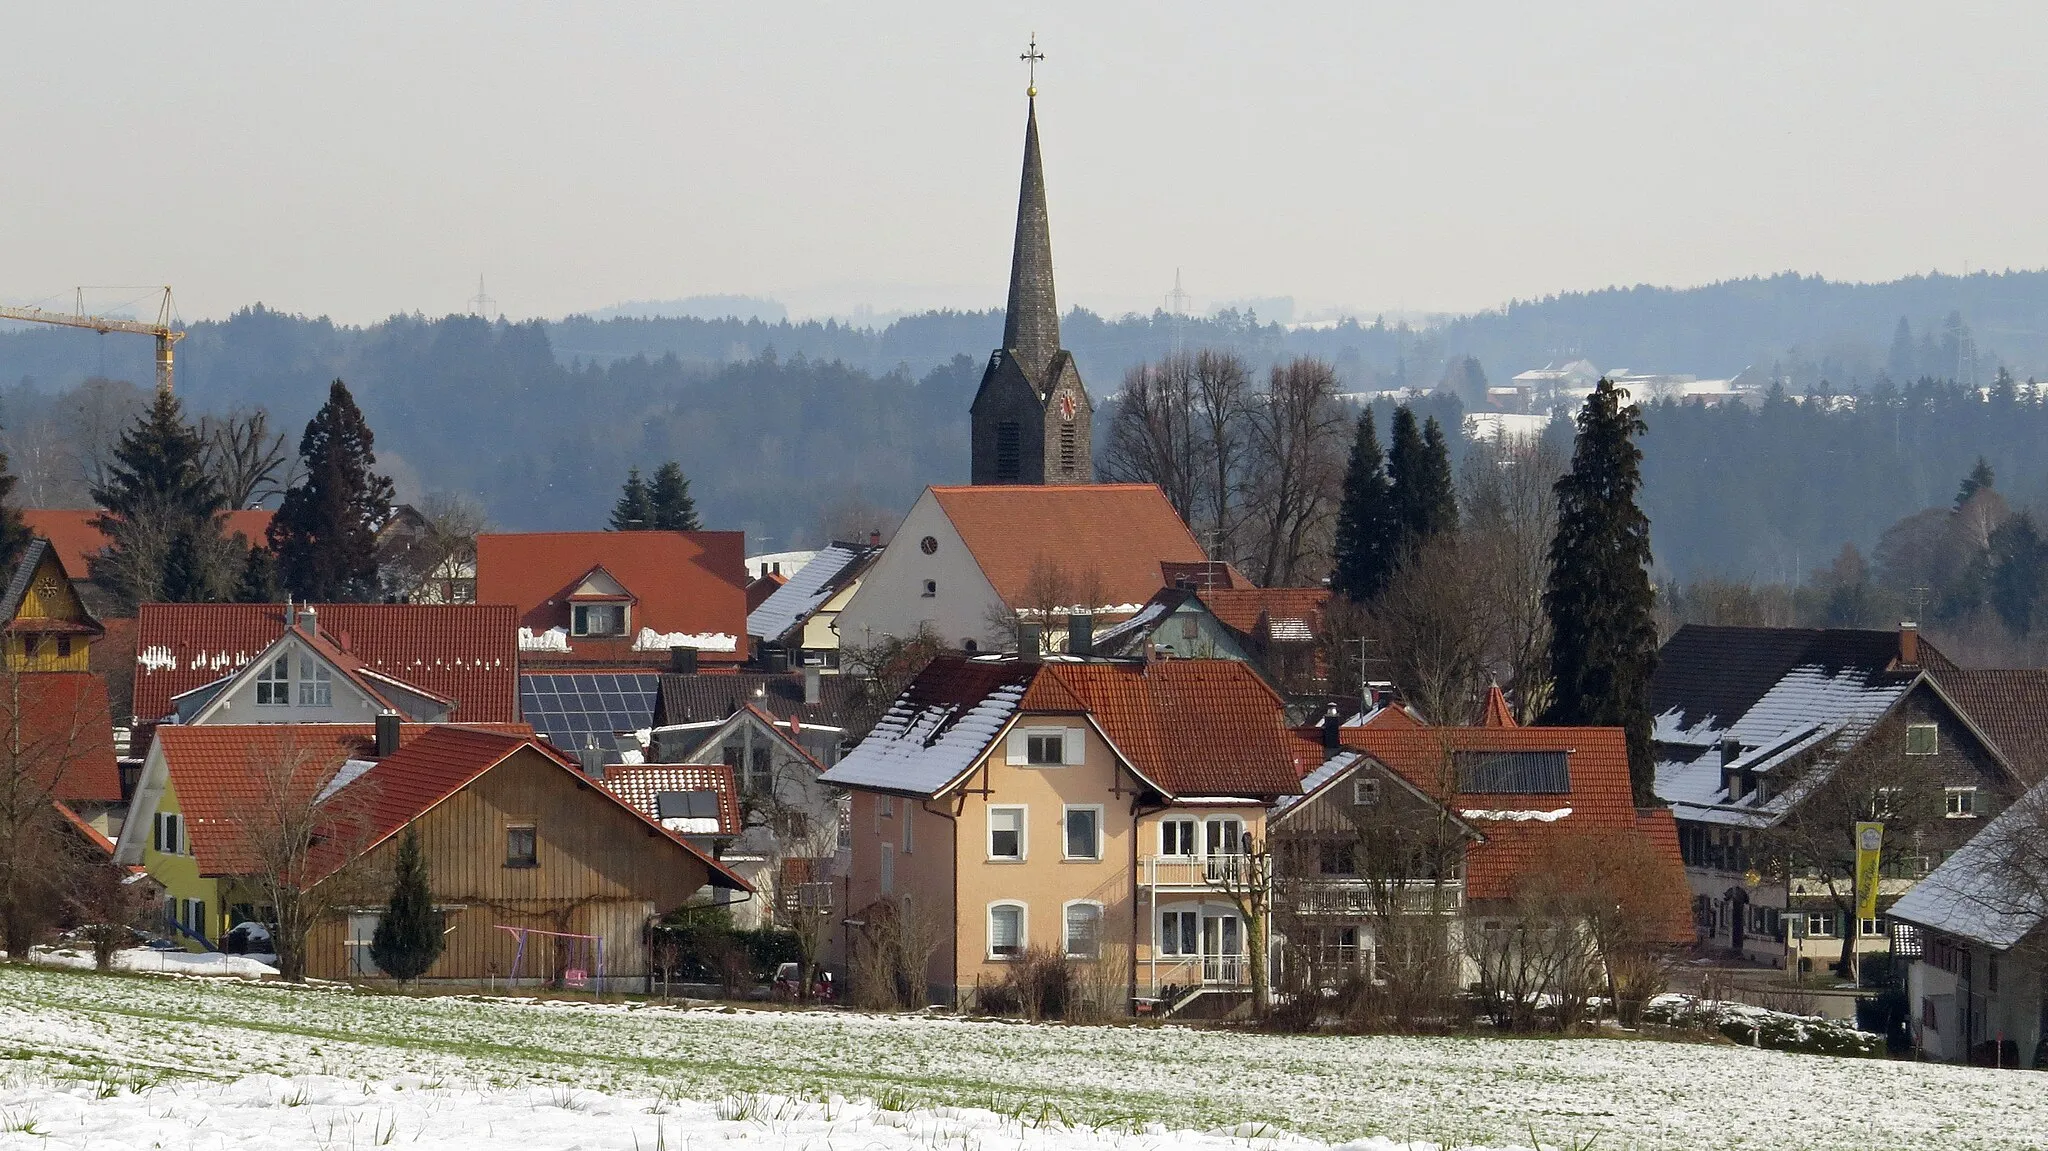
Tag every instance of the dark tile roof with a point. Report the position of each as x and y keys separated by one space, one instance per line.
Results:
x=714 y=696
x=1722 y=672
x=2010 y=706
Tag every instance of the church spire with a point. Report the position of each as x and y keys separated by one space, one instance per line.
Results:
x=1031 y=322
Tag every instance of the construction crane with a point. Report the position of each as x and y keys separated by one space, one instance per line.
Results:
x=167 y=337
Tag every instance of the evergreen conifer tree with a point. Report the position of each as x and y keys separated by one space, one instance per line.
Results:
x=160 y=511
x=1603 y=643
x=635 y=511
x=674 y=510
x=1981 y=478
x=14 y=534
x=408 y=937
x=324 y=537
x=1365 y=530
x=1419 y=469
x=258 y=583
x=1436 y=497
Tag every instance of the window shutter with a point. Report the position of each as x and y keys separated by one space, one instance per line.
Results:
x=1076 y=748
x=156 y=832
x=1018 y=750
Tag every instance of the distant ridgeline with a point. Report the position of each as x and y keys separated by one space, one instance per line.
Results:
x=541 y=419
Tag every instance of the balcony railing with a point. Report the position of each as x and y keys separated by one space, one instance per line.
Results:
x=1194 y=872
x=1186 y=972
x=1356 y=897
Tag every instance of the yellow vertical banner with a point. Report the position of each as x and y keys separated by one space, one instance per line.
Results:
x=1869 y=843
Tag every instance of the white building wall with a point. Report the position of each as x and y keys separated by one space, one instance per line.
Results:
x=237 y=702
x=892 y=600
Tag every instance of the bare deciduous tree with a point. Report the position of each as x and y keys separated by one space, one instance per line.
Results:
x=45 y=739
x=1434 y=623
x=423 y=562
x=93 y=415
x=247 y=461
x=1153 y=438
x=1295 y=469
x=1509 y=517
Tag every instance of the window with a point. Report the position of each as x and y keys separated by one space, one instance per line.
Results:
x=1224 y=836
x=598 y=619
x=169 y=834
x=316 y=683
x=909 y=822
x=888 y=870
x=1005 y=930
x=1820 y=924
x=31 y=646
x=192 y=916
x=1180 y=933
x=1337 y=857
x=1886 y=804
x=760 y=776
x=1046 y=746
x=1872 y=929
x=1084 y=930
x=1084 y=832
x=1365 y=792
x=63 y=646
x=1006 y=833
x=1335 y=948
x=1069 y=450
x=1922 y=739
x=931 y=588
x=274 y=683
x=845 y=806
x=522 y=847
x=885 y=808
x=1176 y=837
x=1962 y=802
x=1009 y=452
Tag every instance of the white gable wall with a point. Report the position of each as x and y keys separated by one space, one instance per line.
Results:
x=891 y=599
x=236 y=702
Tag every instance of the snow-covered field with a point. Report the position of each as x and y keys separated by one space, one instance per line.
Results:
x=117 y=1062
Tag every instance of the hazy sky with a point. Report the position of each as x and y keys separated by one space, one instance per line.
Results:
x=362 y=159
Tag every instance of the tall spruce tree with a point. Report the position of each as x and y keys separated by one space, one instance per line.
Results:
x=258 y=582
x=1419 y=469
x=161 y=514
x=635 y=510
x=408 y=937
x=324 y=537
x=1981 y=478
x=1366 y=536
x=674 y=510
x=14 y=534
x=1603 y=642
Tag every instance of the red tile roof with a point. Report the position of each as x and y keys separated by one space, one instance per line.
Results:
x=1201 y=574
x=1258 y=611
x=1196 y=727
x=65 y=737
x=1115 y=533
x=465 y=652
x=688 y=582
x=220 y=774
x=77 y=540
x=1600 y=799
x=1497 y=713
x=637 y=785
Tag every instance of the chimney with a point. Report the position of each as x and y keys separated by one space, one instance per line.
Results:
x=764 y=571
x=1731 y=750
x=1081 y=633
x=1909 y=644
x=778 y=567
x=874 y=539
x=290 y=613
x=682 y=660
x=813 y=685
x=1332 y=724
x=1030 y=641
x=387 y=733
x=591 y=760
x=309 y=622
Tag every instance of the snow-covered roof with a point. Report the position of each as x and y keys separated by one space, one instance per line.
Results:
x=808 y=588
x=1994 y=889
x=1316 y=780
x=937 y=729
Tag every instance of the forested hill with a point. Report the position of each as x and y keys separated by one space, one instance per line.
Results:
x=784 y=427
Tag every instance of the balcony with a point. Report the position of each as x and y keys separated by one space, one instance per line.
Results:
x=1353 y=898
x=1193 y=872
x=1183 y=973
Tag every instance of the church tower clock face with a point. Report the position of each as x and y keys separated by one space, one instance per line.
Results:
x=1067 y=406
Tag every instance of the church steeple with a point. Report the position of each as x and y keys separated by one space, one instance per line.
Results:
x=1031 y=322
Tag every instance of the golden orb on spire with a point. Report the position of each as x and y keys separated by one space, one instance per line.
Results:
x=1031 y=57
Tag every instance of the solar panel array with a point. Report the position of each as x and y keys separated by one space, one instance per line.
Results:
x=586 y=709
x=1513 y=772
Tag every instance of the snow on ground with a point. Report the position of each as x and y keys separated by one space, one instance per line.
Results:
x=501 y=1066
x=150 y=961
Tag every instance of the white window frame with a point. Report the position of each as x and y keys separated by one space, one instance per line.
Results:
x=1194 y=838
x=268 y=681
x=1023 y=833
x=1365 y=791
x=1832 y=929
x=316 y=682
x=1168 y=941
x=885 y=808
x=888 y=869
x=1243 y=836
x=169 y=837
x=1968 y=802
x=579 y=619
x=1066 y=836
x=1023 y=928
x=909 y=822
x=1073 y=747
x=1067 y=928
x=1870 y=928
x=1932 y=729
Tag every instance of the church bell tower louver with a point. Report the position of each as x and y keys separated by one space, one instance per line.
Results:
x=1032 y=416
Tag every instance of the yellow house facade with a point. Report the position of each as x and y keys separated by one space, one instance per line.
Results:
x=191 y=901
x=48 y=627
x=1096 y=811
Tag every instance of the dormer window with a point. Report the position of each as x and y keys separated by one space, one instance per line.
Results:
x=598 y=619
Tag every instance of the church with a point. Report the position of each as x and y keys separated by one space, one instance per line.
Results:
x=1032 y=414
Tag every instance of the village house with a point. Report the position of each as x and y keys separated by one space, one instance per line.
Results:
x=540 y=876
x=56 y=744
x=1276 y=630
x=48 y=626
x=793 y=625
x=620 y=600
x=967 y=562
x=1772 y=743
x=1102 y=810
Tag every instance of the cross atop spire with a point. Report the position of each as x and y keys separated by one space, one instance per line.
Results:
x=1031 y=57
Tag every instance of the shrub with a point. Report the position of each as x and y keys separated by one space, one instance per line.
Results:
x=1760 y=1027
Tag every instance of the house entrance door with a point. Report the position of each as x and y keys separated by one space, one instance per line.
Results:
x=1222 y=949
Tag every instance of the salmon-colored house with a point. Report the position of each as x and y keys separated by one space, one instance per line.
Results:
x=1092 y=807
